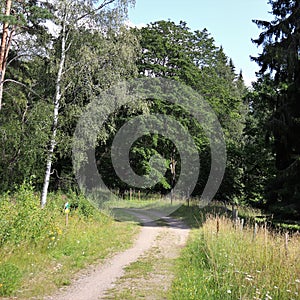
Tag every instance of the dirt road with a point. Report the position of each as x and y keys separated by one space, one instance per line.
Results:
x=167 y=237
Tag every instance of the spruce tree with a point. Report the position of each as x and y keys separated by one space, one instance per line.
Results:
x=279 y=59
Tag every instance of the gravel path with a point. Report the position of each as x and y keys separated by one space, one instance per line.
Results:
x=102 y=278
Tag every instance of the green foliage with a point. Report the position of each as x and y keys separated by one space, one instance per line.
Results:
x=276 y=105
x=25 y=125
x=39 y=252
x=173 y=51
x=81 y=206
x=10 y=278
x=21 y=218
x=22 y=221
x=28 y=15
x=94 y=62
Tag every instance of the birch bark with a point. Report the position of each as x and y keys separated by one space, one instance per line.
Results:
x=56 y=102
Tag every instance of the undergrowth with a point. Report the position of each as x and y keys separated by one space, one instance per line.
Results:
x=39 y=252
x=224 y=261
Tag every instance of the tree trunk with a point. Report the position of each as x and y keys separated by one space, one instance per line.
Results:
x=57 y=99
x=5 y=42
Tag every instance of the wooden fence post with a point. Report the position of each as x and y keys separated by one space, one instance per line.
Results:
x=286 y=241
x=235 y=214
x=254 y=231
x=265 y=233
x=242 y=224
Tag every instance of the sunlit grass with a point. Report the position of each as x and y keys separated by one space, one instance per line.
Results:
x=125 y=209
x=45 y=268
x=225 y=262
x=40 y=252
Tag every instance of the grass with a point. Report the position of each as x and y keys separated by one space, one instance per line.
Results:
x=39 y=253
x=123 y=210
x=225 y=262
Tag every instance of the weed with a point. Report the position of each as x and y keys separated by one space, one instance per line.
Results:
x=10 y=278
x=230 y=263
x=39 y=252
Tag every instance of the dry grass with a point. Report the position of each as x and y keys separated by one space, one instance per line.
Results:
x=224 y=261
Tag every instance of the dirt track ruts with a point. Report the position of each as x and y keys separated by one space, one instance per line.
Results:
x=101 y=278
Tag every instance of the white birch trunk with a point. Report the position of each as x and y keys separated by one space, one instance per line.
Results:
x=57 y=99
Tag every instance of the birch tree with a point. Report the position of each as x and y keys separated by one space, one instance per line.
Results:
x=71 y=16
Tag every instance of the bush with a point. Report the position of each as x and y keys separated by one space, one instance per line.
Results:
x=22 y=219
x=81 y=205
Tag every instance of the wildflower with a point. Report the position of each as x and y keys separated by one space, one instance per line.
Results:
x=249 y=278
x=228 y=291
x=275 y=287
x=58 y=230
x=1 y=285
x=268 y=296
x=58 y=267
x=297 y=280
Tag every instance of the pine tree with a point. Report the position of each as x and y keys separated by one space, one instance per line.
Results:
x=20 y=17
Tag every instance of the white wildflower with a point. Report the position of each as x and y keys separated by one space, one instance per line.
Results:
x=268 y=297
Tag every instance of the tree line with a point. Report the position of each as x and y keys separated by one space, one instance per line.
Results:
x=57 y=56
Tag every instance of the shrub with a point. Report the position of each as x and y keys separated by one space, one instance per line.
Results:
x=22 y=219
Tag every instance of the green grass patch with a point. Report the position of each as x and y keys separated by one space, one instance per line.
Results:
x=224 y=262
x=39 y=252
x=194 y=215
x=139 y=268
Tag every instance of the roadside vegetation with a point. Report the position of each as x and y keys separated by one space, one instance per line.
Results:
x=39 y=252
x=224 y=260
x=57 y=58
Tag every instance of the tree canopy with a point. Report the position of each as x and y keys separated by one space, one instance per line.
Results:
x=277 y=94
x=57 y=57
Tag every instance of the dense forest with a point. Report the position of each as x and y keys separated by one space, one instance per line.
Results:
x=58 y=56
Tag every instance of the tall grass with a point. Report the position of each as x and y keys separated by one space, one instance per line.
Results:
x=39 y=252
x=225 y=262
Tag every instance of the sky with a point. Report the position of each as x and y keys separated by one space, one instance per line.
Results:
x=228 y=21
